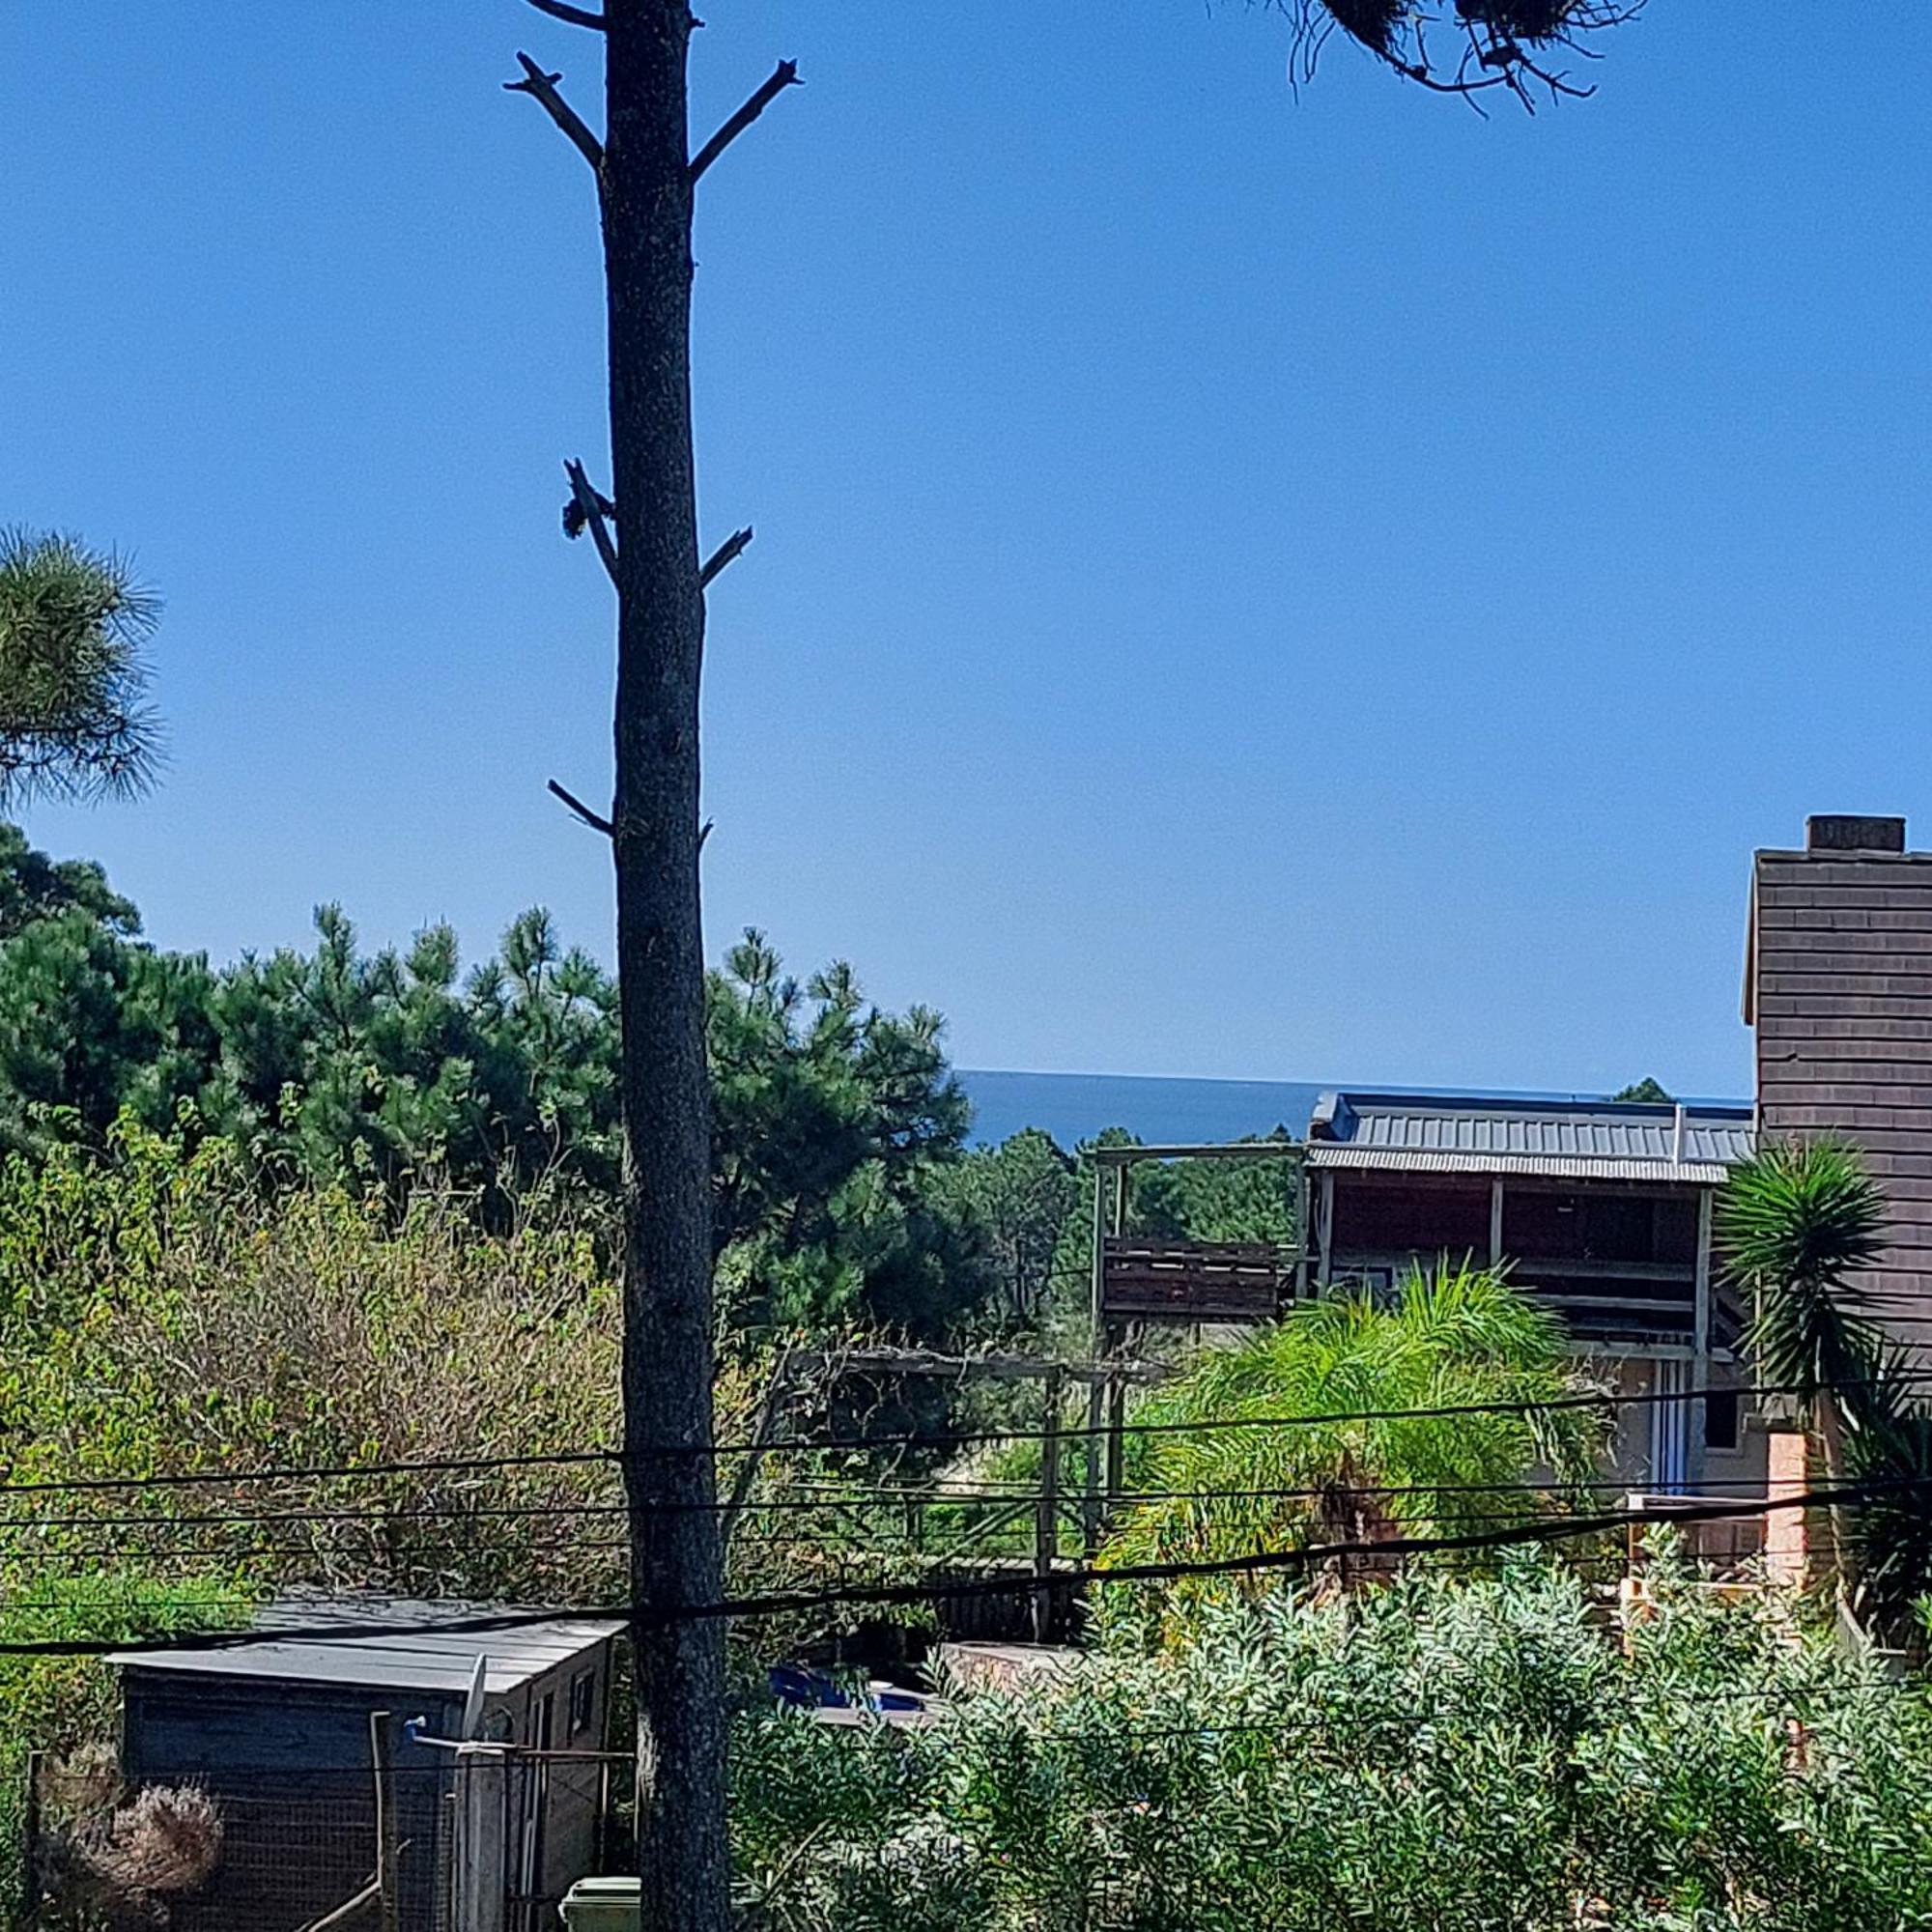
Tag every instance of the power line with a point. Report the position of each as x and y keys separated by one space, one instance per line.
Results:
x=1595 y=1399
x=1254 y=1562
x=881 y=1497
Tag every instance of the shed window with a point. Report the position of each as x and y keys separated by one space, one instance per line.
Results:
x=583 y=1698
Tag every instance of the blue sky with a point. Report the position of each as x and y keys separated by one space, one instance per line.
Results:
x=1253 y=587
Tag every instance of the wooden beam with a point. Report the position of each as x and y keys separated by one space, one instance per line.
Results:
x=387 y=1848
x=770 y=1418
x=1096 y=1335
x=994 y=1367
x=347 y=1909
x=1046 y=1519
x=1129 y=1157
x=1700 y=1339
x=1092 y=1515
x=1324 y=1216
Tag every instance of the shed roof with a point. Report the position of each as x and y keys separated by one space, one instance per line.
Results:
x=407 y=1658
x=1607 y=1140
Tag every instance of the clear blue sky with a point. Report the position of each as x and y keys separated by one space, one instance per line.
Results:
x=1320 y=589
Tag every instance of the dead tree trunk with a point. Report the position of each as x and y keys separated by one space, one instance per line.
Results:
x=667 y=1369
x=646 y=534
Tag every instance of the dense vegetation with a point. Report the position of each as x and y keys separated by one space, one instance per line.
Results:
x=1467 y=1756
x=1458 y=1338
x=335 y=1208
x=386 y=1070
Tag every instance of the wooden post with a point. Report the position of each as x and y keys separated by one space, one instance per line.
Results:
x=1304 y=1241
x=1117 y=1418
x=1046 y=1519
x=1325 y=1226
x=1495 y=1220
x=1117 y=1388
x=1100 y=1283
x=1700 y=1347
x=387 y=1849
x=1091 y=1507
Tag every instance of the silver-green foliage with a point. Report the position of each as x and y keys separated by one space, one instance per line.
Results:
x=1441 y=1755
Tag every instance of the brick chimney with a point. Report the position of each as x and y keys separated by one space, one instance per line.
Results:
x=1847 y=832
x=1839 y=986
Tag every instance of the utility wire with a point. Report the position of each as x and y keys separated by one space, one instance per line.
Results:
x=1603 y=1399
x=881 y=1497
x=780 y=1602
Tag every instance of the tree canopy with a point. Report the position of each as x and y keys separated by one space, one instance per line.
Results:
x=832 y=1123
x=75 y=624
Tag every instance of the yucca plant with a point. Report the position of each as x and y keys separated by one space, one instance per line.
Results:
x=1795 y=1223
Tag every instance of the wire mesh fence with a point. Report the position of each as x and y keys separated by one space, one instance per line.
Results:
x=239 y=1851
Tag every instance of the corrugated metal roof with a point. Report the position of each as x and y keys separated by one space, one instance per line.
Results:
x=1385 y=1160
x=410 y=1658
x=1481 y=1135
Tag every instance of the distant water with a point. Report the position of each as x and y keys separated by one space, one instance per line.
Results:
x=1075 y=1107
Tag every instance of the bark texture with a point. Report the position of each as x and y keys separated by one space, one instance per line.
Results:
x=646 y=193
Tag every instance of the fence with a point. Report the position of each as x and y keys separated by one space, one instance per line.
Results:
x=273 y=1850
x=483 y=1843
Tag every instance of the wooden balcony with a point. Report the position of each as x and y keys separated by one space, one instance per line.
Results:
x=1193 y=1281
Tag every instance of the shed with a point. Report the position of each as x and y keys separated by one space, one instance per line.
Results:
x=277 y=1727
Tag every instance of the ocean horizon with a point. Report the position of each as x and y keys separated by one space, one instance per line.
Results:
x=1176 y=1111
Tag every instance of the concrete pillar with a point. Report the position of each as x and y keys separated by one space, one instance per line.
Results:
x=1787 y=1555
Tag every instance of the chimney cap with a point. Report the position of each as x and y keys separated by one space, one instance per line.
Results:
x=1852 y=832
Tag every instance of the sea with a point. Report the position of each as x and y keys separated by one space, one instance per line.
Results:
x=1075 y=1107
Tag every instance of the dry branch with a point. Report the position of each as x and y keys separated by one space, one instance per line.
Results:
x=541 y=87
x=593 y=508
x=726 y=553
x=783 y=75
x=575 y=16
x=596 y=821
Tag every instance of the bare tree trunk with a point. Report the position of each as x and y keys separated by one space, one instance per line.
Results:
x=668 y=1332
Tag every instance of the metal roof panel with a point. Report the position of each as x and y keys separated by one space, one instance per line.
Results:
x=1476 y=1128
x=407 y=1658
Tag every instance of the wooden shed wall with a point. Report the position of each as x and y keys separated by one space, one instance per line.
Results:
x=288 y=1764
x=1841 y=987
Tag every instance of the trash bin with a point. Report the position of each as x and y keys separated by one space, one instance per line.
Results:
x=604 y=1905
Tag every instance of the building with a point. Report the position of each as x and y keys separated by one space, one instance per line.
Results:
x=1838 y=989
x=277 y=1728
x=1602 y=1210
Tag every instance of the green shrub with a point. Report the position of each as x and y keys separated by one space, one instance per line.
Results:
x=1442 y=1754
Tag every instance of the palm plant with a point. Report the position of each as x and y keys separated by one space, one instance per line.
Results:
x=1795 y=1222
x=1457 y=1337
x=74 y=723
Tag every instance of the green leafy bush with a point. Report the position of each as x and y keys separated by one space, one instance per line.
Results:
x=1459 y=1756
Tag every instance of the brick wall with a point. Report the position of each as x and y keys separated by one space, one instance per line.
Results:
x=1840 y=989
